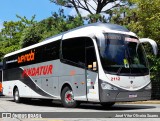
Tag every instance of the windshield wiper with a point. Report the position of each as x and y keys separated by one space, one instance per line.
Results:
x=119 y=70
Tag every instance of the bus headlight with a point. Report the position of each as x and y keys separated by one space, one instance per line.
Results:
x=108 y=86
x=148 y=87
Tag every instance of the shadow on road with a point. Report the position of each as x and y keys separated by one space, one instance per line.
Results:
x=40 y=102
x=116 y=107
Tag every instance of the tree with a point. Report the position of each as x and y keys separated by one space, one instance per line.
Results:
x=93 y=7
x=1 y=37
x=53 y=25
x=12 y=30
x=145 y=19
x=58 y=23
x=30 y=36
x=11 y=34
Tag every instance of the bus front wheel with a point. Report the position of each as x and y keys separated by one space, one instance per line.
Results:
x=16 y=96
x=68 y=98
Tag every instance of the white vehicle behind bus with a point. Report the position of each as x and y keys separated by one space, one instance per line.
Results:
x=102 y=63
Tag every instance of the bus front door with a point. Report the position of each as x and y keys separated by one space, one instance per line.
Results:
x=91 y=74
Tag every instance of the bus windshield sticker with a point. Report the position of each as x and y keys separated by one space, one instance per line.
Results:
x=89 y=66
x=126 y=64
x=94 y=66
x=131 y=40
x=113 y=37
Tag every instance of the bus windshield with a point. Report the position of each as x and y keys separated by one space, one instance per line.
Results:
x=123 y=54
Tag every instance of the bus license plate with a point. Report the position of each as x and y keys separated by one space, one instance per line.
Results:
x=132 y=95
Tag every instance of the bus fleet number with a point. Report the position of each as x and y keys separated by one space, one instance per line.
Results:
x=115 y=78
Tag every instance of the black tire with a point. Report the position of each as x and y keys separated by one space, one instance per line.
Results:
x=108 y=104
x=67 y=98
x=16 y=96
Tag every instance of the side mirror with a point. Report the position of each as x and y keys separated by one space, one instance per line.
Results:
x=152 y=42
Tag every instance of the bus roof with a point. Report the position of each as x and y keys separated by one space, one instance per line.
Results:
x=106 y=25
x=109 y=26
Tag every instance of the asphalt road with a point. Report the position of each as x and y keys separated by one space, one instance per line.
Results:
x=89 y=112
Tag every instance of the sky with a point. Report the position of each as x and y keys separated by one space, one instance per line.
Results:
x=41 y=8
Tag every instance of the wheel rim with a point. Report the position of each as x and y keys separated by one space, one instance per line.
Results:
x=69 y=98
x=16 y=95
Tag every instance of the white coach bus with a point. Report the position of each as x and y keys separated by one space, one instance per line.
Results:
x=101 y=63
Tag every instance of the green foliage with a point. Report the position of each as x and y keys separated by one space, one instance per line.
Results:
x=1 y=38
x=23 y=33
x=11 y=34
x=148 y=18
x=30 y=36
x=96 y=18
x=58 y=23
x=5 y=48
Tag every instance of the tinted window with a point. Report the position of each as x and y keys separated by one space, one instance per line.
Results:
x=73 y=50
x=28 y=57
x=36 y=55
x=51 y=51
x=91 y=60
x=90 y=56
x=79 y=51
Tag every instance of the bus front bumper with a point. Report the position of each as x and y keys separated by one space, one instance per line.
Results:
x=121 y=95
x=124 y=96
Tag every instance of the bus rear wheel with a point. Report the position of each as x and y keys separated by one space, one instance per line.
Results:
x=68 y=98
x=16 y=96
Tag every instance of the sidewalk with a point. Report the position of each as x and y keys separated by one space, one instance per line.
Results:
x=142 y=102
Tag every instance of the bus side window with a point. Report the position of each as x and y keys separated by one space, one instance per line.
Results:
x=73 y=51
x=51 y=51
